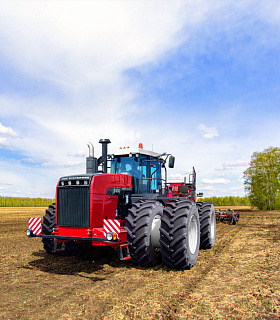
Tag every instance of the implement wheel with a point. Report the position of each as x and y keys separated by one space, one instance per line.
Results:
x=180 y=234
x=207 y=220
x=233 y=220
x=142 y=226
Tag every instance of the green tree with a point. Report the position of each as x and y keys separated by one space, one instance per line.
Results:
x=261 y=178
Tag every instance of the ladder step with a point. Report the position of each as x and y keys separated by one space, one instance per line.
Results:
x=123 y=252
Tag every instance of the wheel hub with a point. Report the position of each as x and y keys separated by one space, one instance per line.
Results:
x=155 y=233
x=192 y=234
x=212 y=224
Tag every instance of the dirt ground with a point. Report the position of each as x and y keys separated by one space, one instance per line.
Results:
x=239 y=278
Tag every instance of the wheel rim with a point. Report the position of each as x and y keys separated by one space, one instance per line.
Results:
x=212 y=222
x=155 y=233
x=192 y=234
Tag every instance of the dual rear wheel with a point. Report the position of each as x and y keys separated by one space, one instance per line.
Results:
x=174 y=233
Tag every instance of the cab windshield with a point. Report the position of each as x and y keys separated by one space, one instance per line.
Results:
x=145 y=170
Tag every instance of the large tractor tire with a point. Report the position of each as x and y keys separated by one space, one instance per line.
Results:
x=180 y=234
x=49 y=223
x=207 y=220
x=142 y=226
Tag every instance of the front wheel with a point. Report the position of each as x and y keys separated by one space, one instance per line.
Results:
x=141 y=224
x=48 y=224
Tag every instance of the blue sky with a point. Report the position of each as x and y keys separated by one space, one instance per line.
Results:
x=199 y=79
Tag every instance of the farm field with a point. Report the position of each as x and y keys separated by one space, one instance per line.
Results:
x=239 y=278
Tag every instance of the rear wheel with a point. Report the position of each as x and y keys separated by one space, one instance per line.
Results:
x=142 y=227
x=207 y=220
x=180 y=234
x=233 y=220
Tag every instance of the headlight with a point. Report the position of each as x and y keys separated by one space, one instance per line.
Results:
x=29 y=232
x=109 y=236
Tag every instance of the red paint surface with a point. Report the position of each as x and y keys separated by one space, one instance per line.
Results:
x=102 y=206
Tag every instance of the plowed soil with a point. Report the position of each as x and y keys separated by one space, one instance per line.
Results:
x=239 y=278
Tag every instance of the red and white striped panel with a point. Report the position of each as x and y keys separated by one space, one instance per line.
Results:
x=35 y=225
x=110 y=225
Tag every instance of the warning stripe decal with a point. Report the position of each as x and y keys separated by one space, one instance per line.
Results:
x=110 y=225
x=35 y=225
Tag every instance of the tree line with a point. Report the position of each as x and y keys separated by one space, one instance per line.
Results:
x=25 y=202
x=228 y=201
x=261 y=179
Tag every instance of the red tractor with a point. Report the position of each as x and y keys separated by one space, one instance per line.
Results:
x=129 y=209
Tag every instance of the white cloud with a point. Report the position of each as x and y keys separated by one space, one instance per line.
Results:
x=207 y=188
x=220 y=175
x=208 y=132
x=6 y=131
x=79 y=153
x=215 y=181
x=89 y=42
x=236 y=188
x=30 y=160
x=179 y=177
x=235 y=164
x=54 y=164
x=240 y=179
x=4 y=142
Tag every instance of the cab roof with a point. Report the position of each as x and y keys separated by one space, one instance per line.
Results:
x=127 y=151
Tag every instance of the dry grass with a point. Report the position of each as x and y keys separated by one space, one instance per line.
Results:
x=237 y=279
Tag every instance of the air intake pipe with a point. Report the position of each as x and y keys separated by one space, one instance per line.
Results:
x=103 y=159
x=91 y=162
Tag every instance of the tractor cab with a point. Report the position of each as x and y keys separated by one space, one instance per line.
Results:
x=144 y=166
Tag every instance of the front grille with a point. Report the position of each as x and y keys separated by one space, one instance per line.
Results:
x=73 y=206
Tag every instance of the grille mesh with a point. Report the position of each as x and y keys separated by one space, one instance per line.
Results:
x=73 y=207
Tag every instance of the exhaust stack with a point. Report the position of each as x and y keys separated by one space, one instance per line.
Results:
x=103 y=161
x=91 y=162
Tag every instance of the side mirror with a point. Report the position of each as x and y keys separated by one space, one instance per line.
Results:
x=200 y=194
x=171 y=162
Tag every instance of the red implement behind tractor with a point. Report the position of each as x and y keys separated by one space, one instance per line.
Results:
x=227 y=215
x=131 y=209
x=184 y=189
